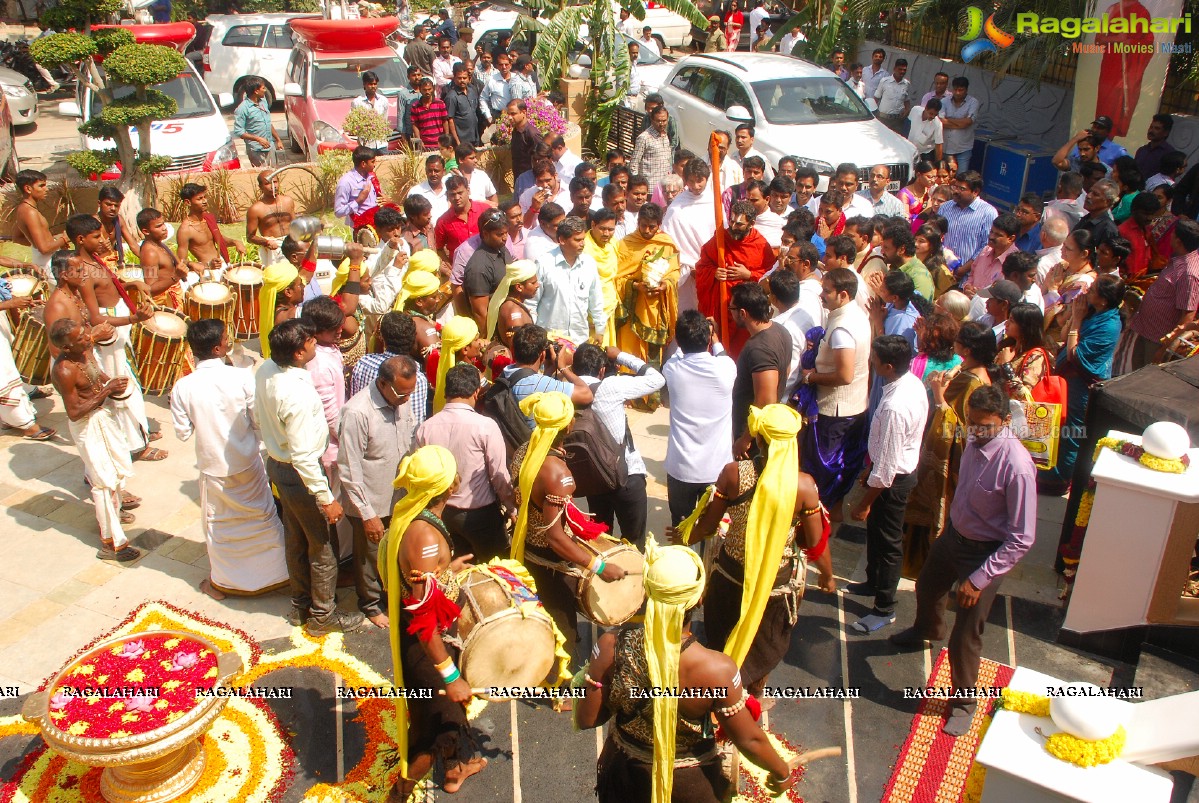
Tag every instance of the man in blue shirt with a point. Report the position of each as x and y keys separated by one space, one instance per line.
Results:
x=1029 y=212
x=252 y=123
x=446 y=27
x=1109 y=151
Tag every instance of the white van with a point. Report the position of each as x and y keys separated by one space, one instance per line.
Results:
x=196 y=138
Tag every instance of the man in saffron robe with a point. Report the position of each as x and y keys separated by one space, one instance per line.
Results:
x=647 y=313
x=747 y=255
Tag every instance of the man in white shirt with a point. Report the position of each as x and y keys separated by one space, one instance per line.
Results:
x=372 y=100
x=790 y=40
x=700 y=378
x=443 y=65
x=547 y=188
x=771 y=220
x=846 y=179
x=565 y=161
x=237 y=512
x=633 y=96
x=891 y=92
x=896 y=432
x=689 y=222
x=433 y=187
x=802 y=259
x=730 y=168
x=783 y=291
x=873 y=72
x=629 y=504
x=926 y=131
x=1054 y=231
x=743 y=137
x=755 y=21
x=479 y=183
x=647 y=41
x=570 y=296
x=629 y=25
x=543 y=237
x=292 y=422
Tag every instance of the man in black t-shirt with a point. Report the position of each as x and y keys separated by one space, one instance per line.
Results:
x=764 y=362
x=485 y=269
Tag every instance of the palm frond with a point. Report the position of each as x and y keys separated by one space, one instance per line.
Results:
x=609 y=73
x=542 y=6
x=684 y=8
x=792 y=23
x=554 y=43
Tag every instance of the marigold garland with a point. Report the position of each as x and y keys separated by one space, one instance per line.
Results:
x=1066 y=746
x=1139 y=454
x=972 y=791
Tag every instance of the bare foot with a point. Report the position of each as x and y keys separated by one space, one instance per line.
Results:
x=379 y=620
x=401 y=791
x=455 y=778
x=208 y=588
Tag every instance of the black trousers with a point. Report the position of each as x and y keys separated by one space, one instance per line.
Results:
x=627 y=505
x=481 y=531
x=683 y=497
x=372 y=599
x=952 y=559
x=310 y=548
x=884 y=542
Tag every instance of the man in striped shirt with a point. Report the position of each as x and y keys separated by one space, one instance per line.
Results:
x=969 y=217
x=429 y=115
x=653 y=156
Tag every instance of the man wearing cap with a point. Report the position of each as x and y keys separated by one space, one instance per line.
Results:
x=1109 y=151
x=717 y=42
x=463 y=50
x=1000 y=297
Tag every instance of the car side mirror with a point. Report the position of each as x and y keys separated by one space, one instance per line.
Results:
x=739 y=114
x=292 y=90
x=69 y=108
x=225 y=100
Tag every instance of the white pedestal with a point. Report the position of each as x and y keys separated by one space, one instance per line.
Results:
x=1135 y=557
x=1020 y=769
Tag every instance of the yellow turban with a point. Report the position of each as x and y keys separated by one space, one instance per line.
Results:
x=340 y=276
x=425 y=260
x=519 y=271
x=674 y=583
x=457 y=333
x=275 y=279
x=769 y=519
x=417 y=284
x=426 y=474
x=551 y=412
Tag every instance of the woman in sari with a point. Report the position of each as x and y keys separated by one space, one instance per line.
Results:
x=931 y=252
x=1023 y=349
x=646 y=314
x=1086 y=359
x=1149 y=230
x=734 y=20
x=1128 y=175
x=944 y=442
x=1066 y=281
x=917 y=194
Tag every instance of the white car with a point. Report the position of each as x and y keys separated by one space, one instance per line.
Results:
x=796 y=107
x=651 y=67
x=242 y=45
x=22 y=97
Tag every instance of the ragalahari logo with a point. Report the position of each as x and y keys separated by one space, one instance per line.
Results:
x=981 y=34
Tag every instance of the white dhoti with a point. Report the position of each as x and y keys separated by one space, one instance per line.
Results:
x=130 y=410
x=106 y=463
x=15 y=408
x=42 y=263
x=269 y=256
x=243 y=531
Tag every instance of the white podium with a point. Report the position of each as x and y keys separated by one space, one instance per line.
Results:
x=1138 y=546
x=1020 y=769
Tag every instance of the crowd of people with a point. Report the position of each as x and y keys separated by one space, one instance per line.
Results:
x=447 y=398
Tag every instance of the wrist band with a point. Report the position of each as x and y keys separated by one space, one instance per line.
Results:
x=592 y=682
x=596 y=566
x=352 y=287
x=449 y=673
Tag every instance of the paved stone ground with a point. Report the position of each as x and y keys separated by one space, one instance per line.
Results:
x=55 y=597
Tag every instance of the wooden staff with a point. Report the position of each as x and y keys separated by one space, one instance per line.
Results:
x=718 y=211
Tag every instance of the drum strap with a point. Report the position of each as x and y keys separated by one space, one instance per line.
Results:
x=120 y=288
x=647 y=756
x=791 y=591
x=562 y=567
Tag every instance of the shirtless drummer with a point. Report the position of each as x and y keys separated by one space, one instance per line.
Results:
x=31 y=227
x=200 y=236
x=267 y=220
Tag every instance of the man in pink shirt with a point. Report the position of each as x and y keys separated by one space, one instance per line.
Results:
x=473 y=514
x=988 y=267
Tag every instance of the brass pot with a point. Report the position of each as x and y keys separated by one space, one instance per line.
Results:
x=151 y=767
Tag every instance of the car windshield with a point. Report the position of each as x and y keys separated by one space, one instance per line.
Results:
x=802 y=101
x=339 y=80
x=645 y=55
x=191 y=95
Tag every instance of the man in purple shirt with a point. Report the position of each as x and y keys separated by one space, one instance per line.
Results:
x=992 y=523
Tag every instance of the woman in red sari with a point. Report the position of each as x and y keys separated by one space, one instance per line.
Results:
x=734 y=20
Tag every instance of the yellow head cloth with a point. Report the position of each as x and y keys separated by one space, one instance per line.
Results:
x=426 y=474
x=519 y=271
x=769 y=519
x=417 y=284
x=340 y=276
x=551 y=412
x=457 y=333
x=425 y=260
x=674 y=583
x=275 y=279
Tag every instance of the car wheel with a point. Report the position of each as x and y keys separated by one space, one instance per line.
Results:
x=662 y=50
x=296 y=145
x=270 y=96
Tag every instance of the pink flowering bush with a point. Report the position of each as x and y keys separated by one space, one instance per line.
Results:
x=542 y=115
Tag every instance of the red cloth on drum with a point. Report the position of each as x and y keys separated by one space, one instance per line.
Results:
x=435 y=613
x=583 y=527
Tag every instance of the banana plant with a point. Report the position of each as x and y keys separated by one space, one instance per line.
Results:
x=610 y=66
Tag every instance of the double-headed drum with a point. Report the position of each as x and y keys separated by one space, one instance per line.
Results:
x=159 y=345
x=610 y=604
x=31 y=347
x=24 y=283
x=210 y=300
x=245 y=281
x=507 y=637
